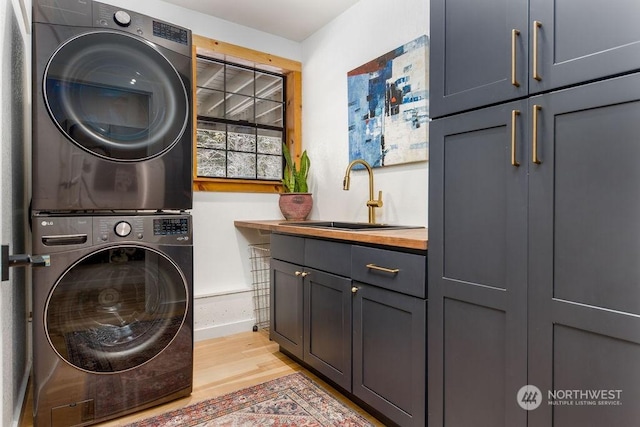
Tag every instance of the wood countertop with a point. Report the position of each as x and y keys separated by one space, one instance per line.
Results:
x=410 y=238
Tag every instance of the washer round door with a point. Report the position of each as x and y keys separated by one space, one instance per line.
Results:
x=116 y=309
x=116 y=96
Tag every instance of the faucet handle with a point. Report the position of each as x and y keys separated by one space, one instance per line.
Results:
x=376 y=203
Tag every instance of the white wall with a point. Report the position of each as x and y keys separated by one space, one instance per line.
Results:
x=367 y=30
x=14 y=137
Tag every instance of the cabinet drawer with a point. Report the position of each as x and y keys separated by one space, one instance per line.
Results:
x=397 y=271
x=287 y=248
x=328 y=256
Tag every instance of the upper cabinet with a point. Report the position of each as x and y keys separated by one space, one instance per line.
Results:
x=488 y=52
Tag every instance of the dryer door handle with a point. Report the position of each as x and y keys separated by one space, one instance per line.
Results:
x=21 y=260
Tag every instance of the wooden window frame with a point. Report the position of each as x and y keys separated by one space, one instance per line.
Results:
x=292 y=70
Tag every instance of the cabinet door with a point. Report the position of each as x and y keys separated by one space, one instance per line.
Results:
x=582 y=40
x=327 y=325
x=286 y=306
x=477 y=275
x=478 y=53
x=584 y=236
x=389 y=352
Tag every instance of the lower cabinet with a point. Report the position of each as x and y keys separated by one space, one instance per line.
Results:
x=389 y=353
x=286 y=307
x=327 y=325
x=352 y=325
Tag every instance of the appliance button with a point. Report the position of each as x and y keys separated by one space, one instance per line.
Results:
x=122 y=229
x=140 y=32
x=104 y=237
x=140 y=236
x=122 y=18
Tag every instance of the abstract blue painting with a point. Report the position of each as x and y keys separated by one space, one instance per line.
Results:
x=389 y=107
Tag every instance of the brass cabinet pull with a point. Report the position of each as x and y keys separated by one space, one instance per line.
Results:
x=514 y=35
x=301 y=273
x=305 y=274
x=386 y=270
x=514 y=114
x=354 y=290
x=536 y=26
x=298 y=273
x=534 y=144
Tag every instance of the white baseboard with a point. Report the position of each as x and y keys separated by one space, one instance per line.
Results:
x=223 y=330
x=223 y=314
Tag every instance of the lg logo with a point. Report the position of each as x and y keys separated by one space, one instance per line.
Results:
x=45 y=223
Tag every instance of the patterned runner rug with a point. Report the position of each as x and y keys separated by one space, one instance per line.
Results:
x=291 y=401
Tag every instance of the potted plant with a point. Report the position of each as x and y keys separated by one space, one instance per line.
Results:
x=296 y=201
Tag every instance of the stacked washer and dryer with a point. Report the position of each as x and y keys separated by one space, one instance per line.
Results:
x=112 y=187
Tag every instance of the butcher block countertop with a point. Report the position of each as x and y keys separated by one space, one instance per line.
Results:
x=409 y=238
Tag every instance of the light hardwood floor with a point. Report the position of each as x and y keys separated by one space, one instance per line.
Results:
x=223 y=365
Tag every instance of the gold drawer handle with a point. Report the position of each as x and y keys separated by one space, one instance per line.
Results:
x=536 y=27
x=386 y=270
x=514 y=114
x=534 y=140
x=514 y=36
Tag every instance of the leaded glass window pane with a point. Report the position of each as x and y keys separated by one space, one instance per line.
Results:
x=270 y=142
x=240 y=121
x=269 y=167
x=212 y=163
x=241 y=165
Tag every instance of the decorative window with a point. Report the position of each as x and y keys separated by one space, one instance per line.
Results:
x=240 y=125
x=242 y=117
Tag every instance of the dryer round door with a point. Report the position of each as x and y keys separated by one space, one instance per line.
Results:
x=116 y=96
x=116 y=309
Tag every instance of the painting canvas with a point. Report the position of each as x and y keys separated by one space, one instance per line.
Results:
x=389 y=107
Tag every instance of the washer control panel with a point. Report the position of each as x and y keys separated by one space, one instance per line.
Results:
x=171 y=226
x=59 y=233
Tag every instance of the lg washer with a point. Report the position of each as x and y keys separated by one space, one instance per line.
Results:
x=112 y=126
x=112 y=316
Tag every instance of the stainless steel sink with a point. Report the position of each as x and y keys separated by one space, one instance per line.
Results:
x=351 y=226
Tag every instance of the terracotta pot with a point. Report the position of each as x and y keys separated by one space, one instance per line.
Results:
x=295 y=206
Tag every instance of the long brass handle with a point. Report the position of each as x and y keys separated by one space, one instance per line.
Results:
x=536 y=26
x=514 y=114
x=386 y=270
x=534 y=144
x=514 y=35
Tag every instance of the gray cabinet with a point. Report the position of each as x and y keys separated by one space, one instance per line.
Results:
x=533 y=268
x=477 y=261
x=471 y=54
x=360 y=319
x=493 y=51
x=327 y=325
x=389 y=353
x=311 y=309
x=389 y=332
x=286 y=306
x=584 y=247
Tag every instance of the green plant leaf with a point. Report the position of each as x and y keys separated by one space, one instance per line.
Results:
x=294 y=180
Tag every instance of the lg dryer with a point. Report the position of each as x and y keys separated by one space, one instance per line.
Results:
x=112 y=126
x=112 y=316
